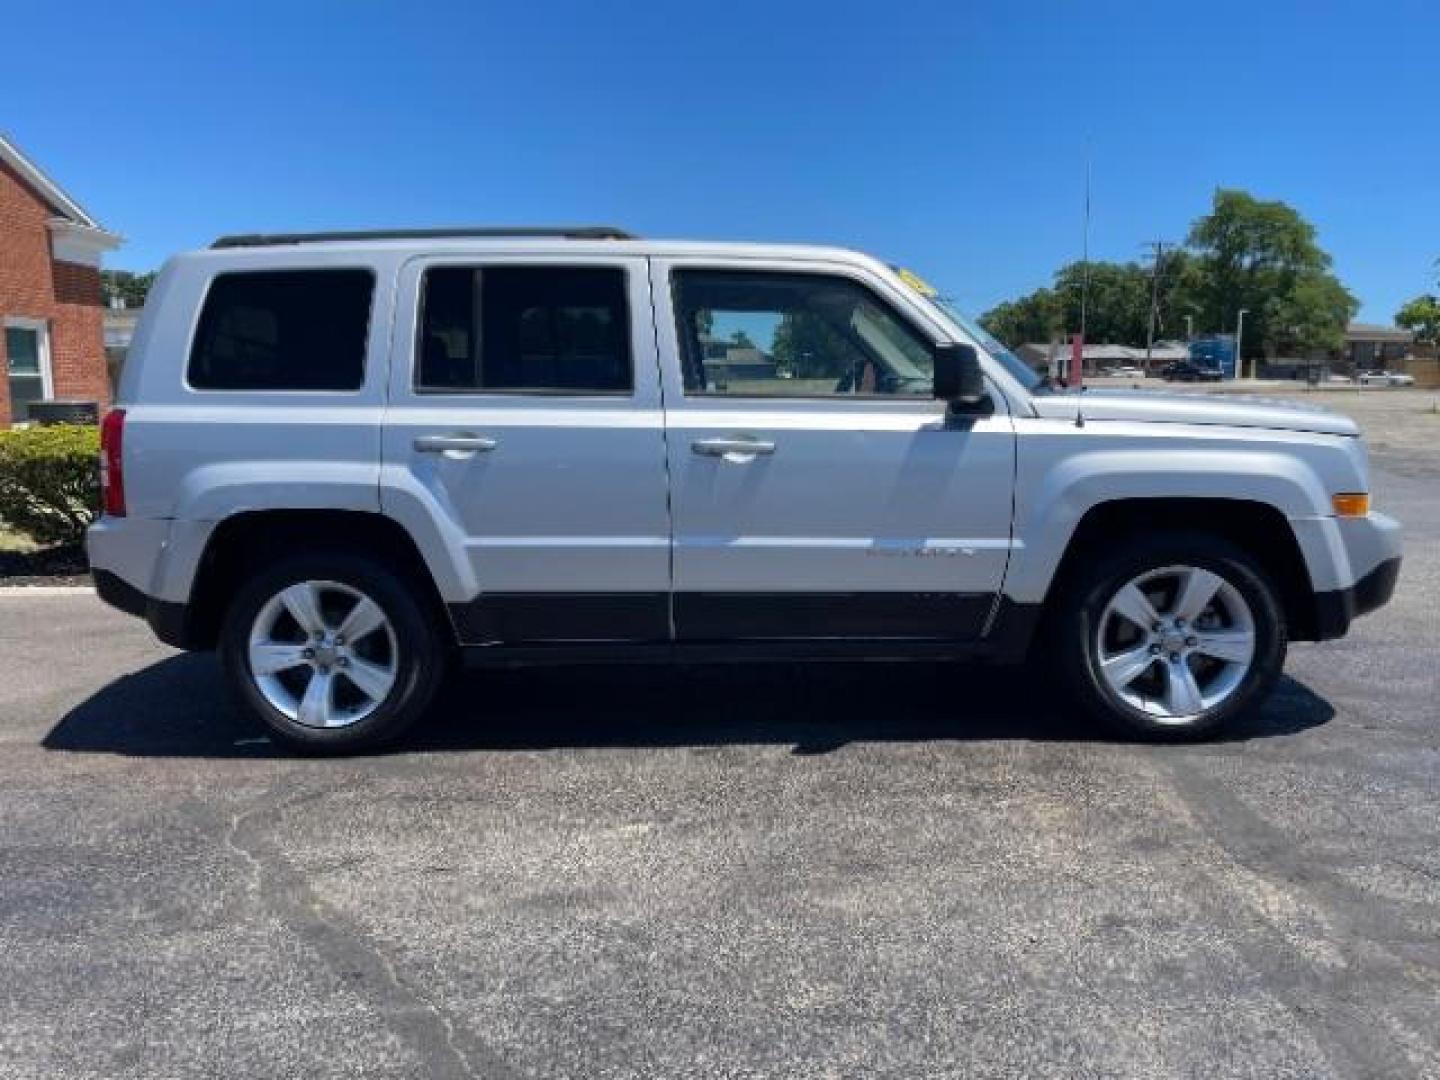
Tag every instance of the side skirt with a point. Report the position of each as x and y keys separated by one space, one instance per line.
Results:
x=511 y=629
x=851 y=650
x=1007 y=642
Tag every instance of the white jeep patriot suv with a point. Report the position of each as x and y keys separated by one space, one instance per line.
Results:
x=343 y=459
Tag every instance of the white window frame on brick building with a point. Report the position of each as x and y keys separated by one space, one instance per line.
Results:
x=50 y=288
x=46 y=373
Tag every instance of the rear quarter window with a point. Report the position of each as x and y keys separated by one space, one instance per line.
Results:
x=283 y=330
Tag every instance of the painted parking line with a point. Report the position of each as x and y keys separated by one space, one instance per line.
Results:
x=12 y=591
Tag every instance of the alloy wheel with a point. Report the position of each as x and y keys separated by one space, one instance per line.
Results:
x=1175 y=642
x=323 y=654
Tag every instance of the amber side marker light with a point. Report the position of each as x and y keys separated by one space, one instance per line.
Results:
x=1351 y=504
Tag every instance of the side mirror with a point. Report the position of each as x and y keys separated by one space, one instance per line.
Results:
x=957 y=374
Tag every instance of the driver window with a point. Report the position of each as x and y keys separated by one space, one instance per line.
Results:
x=755 y=334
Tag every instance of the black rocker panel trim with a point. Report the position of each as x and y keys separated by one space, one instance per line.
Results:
x=735 y=616
x=520 y=618
x=1012 y=629
x=524 y=618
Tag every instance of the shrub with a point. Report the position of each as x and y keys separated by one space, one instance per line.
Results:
x=50 y=481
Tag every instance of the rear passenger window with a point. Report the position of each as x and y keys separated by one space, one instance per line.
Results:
x=283 y=330
x=535 y=329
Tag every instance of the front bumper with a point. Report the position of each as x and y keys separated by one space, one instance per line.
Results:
x=1372 y=552
x=1335 y=609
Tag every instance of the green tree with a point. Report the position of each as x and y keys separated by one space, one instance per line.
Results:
x=123 y=285
x=1178 y=297
x=1245 y=254
x=807 y=347
x=741 y=340
x=1422 y=315
x=1117 y=304
x=1037 y=317
x=1117 y=300
x=1262 y=256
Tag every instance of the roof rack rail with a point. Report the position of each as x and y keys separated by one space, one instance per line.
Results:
x=567 y=232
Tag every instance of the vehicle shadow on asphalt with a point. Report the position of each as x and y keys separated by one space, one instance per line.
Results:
x=180 y=707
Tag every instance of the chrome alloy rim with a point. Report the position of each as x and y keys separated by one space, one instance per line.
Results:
x=1175 y=642
x=323 y=653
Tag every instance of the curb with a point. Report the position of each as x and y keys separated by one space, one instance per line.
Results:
x=10 y=591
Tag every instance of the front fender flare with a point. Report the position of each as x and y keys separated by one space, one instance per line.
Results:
x=1050 y=508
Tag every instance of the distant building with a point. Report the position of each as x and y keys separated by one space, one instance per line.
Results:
x=725 y=360
x=50 y=308
x=1369 y=345
x=119 y=329
x=1045 y=357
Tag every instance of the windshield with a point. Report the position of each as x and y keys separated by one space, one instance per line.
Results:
x=1018 y=370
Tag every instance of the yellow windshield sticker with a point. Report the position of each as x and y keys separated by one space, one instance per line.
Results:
x=916 y=282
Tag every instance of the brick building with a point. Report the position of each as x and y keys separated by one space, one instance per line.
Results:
x=50 y=308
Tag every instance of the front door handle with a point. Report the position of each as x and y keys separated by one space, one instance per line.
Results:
x=733 y=446
x=455 y=443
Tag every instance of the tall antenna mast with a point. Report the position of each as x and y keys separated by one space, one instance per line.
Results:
x=1085 y=249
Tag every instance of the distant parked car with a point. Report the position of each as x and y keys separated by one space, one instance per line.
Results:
x=1386 y=378
x=1190 y=371
x=1126 y=371
x=1336 y=377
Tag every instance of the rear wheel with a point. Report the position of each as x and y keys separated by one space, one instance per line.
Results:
x=332 y=651
x=1171 y=637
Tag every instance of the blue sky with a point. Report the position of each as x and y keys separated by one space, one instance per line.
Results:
x=947 y=136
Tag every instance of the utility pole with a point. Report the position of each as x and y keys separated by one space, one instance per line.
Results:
x=1239 y=335
x=1160 y=247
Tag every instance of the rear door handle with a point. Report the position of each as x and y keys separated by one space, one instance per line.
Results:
x=732 y=445
x=456 y=443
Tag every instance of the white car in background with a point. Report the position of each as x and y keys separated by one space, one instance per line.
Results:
x=1126 y=372
x=1386 y=378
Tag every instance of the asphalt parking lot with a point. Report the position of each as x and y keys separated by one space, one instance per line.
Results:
x=826 y=871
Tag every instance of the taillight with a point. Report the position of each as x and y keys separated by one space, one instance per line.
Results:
x=112 y=469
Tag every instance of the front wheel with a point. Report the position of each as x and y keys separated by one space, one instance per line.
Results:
x=1170 y=638
x=332 y=651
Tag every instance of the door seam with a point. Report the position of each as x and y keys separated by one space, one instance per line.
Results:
x=665 y=443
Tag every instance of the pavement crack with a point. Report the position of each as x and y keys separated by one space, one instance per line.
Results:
x=1305 y=926
x=446 y=1049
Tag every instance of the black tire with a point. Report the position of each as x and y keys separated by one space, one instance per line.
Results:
x=1073 y=633
x=421 y=652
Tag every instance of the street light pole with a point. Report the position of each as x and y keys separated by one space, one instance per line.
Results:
x=1189 y=328
x=1239 y=336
